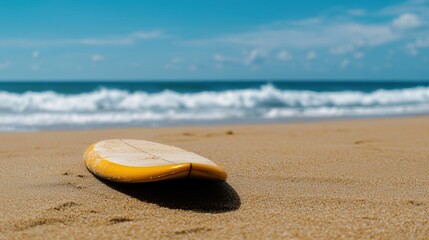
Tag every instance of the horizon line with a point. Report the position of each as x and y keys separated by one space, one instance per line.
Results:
x=214 y=80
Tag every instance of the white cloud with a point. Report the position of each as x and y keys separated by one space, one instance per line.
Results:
x=175 y=63
x=218 y=57
x=359 y=55
x=129 y=39
x=35 y=54
x=339 y=36
x=416 y=6
x=97 y=58
x=406 y=21
x=36 y=64
x=4 y=65
x=177 y=60
x=252 y=57
x=284 y=55
x=344 y=63
x=148 y=35
x=344 y=49
x=311 y=55
x=422 y=42
x=357 y=36
x=413 y=47
x=255 y=56
x=222 y=59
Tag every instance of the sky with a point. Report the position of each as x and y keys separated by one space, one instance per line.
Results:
x=214 y=39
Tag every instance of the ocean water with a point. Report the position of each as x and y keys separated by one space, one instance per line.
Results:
x=29 y=106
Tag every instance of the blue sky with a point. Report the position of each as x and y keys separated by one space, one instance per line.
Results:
x=214 y=39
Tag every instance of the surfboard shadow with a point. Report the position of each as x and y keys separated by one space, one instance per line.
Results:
x=187 y=194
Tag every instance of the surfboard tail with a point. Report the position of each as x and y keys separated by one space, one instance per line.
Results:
x=204 y=171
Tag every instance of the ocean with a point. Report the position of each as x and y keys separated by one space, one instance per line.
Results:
x=32 y=106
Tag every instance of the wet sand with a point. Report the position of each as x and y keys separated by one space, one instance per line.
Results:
x=355 y=179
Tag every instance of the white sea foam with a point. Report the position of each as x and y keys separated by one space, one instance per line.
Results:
x=35 y=110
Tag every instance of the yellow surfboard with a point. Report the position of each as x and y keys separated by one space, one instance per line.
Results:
x=134 y=161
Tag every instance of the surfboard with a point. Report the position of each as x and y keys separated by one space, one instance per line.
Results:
x=135 y=161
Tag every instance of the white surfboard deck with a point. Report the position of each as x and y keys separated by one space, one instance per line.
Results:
x=128 y=160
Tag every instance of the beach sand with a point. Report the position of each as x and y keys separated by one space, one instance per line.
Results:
x=357 y=179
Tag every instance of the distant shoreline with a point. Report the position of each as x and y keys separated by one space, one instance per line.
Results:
x=222 y=124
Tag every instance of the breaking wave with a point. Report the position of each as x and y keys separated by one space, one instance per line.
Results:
x=114 y=107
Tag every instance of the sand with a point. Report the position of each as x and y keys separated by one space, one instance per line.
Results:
x=355 y=179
